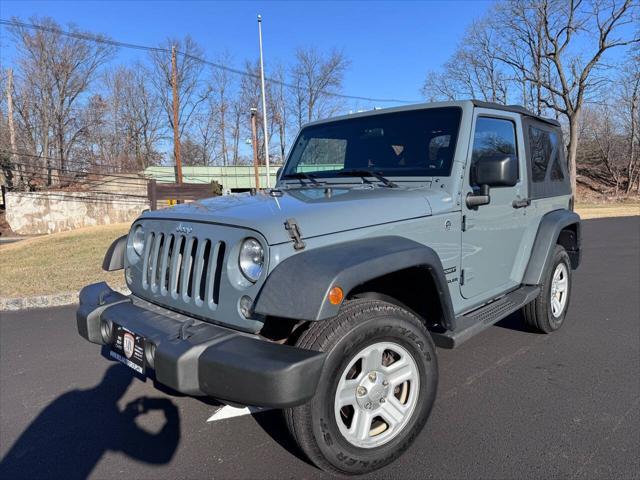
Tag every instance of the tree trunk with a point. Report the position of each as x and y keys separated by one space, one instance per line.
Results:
x=572 y=149
x=632 y=137
x=61 y=146
x=282 y=142
x=223 y=136
x=12 y=130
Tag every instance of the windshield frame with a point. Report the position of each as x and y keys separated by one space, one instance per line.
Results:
x=397 y=174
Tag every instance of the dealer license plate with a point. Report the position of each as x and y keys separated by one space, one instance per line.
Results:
x=128 y=348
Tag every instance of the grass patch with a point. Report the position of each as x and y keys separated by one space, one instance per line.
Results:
x=58 y=263
x=602 y=210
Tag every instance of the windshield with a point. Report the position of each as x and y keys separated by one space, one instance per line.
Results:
x=411 y=143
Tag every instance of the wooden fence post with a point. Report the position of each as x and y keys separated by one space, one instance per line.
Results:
x=152 y=193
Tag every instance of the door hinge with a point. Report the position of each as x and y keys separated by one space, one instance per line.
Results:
x=464 y=223
x=462 y=277
x=294 y=232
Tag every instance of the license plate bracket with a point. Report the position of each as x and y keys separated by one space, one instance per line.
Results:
x=128 y=348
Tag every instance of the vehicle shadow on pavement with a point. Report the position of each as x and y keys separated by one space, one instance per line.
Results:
x=272 y=422
x=515 y=322
x=74 y=431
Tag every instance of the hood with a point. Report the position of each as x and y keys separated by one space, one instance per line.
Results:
x=317 y=212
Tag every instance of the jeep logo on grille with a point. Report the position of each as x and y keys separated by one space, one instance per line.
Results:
x=184 y=229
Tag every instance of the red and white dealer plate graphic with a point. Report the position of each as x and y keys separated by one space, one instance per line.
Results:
x=128 y=348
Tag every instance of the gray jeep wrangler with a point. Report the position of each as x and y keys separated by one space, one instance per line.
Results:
x=388 y=233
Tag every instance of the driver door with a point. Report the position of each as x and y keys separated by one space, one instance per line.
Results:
x=493 y=233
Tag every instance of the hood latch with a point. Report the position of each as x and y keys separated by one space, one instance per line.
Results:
x=294 y=232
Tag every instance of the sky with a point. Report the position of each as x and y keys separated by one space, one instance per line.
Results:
x=391 y=45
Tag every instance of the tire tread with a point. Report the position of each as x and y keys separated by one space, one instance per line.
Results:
x=317 y=337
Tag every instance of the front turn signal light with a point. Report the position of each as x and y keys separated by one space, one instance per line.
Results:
x=336 y=295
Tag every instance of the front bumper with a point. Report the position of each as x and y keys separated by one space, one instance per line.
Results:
x=198 y=358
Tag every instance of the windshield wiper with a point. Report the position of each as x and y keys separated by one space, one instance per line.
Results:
x=368 y=173
x=300 y=176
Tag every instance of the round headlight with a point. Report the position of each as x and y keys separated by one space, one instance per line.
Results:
x=137 y=241
x=251 y=259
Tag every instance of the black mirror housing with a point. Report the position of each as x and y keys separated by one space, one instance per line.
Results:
x=497 y=171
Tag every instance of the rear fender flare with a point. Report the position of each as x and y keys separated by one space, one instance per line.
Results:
x=549 y=231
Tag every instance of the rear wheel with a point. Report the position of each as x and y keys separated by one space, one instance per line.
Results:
x=548 y=311
x=375 y=392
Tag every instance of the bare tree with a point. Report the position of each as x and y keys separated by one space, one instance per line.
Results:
x=237 y=112
x=251 y=98
x=220 y=104
x=315 y=76
x=193 y=152
x=192 y=90
x=474 y=71
x=60 y=69
x=573 y=76
x=123 y=123
x=142 y=116
x=279 y=107
x=602 y=149
x=630 y=111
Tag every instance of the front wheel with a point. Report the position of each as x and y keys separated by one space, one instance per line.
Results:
x=375 y=392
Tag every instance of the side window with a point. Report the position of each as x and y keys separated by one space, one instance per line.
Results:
x=493 y=136
x=545 y=151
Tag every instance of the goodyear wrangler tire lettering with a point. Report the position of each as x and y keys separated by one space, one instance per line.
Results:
x=363 y=329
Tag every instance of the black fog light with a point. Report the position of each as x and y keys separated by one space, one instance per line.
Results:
x=150 y=353
x=245 y=305
x=106 y=330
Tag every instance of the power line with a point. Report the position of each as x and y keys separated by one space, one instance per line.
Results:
x=61 y=179
x=81 y=163
x=116 y=43
x=144 y=176
x=91 y=197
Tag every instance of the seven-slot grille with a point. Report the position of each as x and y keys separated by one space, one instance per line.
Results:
x=184 y=267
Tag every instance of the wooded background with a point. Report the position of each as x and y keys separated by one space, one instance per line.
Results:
x=75 y=110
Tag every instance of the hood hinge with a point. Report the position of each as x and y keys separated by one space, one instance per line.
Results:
x=294 y=232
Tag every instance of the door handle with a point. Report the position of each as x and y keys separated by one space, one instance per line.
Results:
x=521 y=203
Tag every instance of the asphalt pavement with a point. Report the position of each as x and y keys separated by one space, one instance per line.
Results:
x=511 y=403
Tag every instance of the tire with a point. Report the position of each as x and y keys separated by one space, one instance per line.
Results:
x=362 y=332
x=543 y=314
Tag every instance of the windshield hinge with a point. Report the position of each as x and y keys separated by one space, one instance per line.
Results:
x=294 y=232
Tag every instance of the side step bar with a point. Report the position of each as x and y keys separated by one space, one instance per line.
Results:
x=476 y=321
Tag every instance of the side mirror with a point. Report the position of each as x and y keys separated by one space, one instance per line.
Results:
x=492 y=171
x=496 y=171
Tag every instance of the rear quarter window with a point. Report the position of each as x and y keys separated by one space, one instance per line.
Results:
x=545 y=155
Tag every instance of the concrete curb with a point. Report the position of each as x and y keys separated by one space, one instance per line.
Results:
x=45 y=301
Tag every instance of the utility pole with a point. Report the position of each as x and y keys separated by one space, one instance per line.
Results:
x=176 y=108
x=12 y=130
x=254 y=142
x=264 y=106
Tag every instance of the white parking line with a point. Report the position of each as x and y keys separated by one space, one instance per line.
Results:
x=229 y=412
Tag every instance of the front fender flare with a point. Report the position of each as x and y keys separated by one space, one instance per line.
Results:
x=299 y=286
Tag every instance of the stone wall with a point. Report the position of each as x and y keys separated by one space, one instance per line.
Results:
x=33 y=213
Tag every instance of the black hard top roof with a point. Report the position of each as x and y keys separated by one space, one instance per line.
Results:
x=516 y=109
